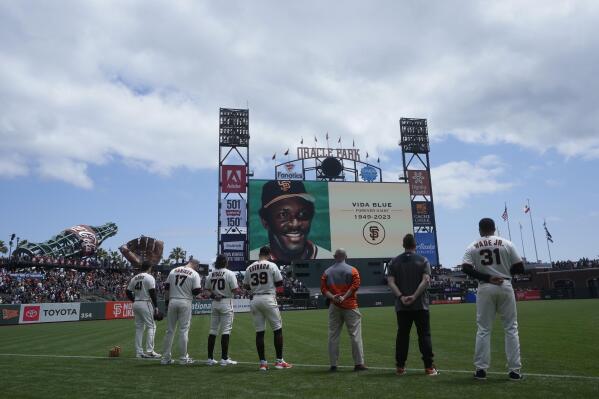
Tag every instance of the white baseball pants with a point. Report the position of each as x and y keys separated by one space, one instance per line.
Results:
x=265 y=307
x=144 y=318
x=179 y=312
x=221 y=318
x=492 y=299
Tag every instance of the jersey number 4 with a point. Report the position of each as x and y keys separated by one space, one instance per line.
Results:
x=179 y=280
x=259 y=278
x=138 y=285
x=487 y=255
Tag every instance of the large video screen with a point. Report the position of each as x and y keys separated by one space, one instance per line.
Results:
x=310 y=219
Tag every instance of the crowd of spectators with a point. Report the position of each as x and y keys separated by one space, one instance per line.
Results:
x=583 y=263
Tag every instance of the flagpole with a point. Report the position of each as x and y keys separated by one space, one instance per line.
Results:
x=522 y=239
x=508 y=224
x=534 y=240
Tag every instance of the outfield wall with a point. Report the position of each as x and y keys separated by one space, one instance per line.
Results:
x=80 y=311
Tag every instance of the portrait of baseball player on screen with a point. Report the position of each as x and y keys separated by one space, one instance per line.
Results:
x=286 y=214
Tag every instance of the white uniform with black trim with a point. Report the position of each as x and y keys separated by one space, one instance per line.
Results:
x=261 y=276
x=222 y=283
x=494 y=255
x=143 y=310
x=181 y=280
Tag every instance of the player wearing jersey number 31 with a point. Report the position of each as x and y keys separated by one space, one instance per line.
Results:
x=262 y=278
x=493 y=260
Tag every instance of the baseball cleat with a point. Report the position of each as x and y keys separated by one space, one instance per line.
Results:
x=227 y=362
x=360 y=367
x=515 y=375
x=263 y=366
x=153 y=355
x=431 y=371
x=166 y=362
x=400 y=370
x=211 y=362
x=480 y=374
x=333 y=369
x=186 y=361
x=282 y=364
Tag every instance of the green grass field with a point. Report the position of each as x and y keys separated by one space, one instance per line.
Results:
x=559 y=340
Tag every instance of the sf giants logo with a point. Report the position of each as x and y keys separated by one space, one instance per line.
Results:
x=285 y=185
x=374 y=233
x=233 y=178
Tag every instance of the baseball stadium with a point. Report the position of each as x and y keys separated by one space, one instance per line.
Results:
x=316 y=199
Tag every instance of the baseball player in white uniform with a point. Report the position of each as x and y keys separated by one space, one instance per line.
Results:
x=142 y=292
x=493 y=260
x=221 y=284
x=261 y=278
x=182 y=285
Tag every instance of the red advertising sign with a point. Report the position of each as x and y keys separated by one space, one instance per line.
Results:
x=31 y=313
x=532 y=295
x=119 y=310
x=419 y=182
x=233 y=178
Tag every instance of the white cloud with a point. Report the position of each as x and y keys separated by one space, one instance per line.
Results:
x=13 y=165
x=455 y=183
x=86 y=83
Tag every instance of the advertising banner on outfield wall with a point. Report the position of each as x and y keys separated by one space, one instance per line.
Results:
x=425 y=246
x=92 y=311
x=49 y=312
x=204 y=306
x=9 y=314
x=119 y=310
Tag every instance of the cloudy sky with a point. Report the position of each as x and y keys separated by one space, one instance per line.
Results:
x=109 y=109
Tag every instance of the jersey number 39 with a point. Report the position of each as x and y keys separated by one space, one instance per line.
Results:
x=259 y=278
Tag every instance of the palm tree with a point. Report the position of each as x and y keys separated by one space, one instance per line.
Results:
x=101 y=253
x=116 y=257
x=3 y=248
x=165 y=262
x=177 y=253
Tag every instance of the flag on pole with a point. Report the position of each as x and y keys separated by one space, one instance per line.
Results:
x=327 y=135
x=378 y=160
x=287 y=152
x=505 y=216
x=547 y=233
x=353 y=143
x=302 y=141
x=339 y=141
x=315 y=139
x=526 y=208
x=274 y=156
x=366 y=154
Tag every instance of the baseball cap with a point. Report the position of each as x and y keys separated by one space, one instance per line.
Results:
x=277 y=190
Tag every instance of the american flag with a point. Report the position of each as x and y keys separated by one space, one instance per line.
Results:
x=505 y=216
x=526 y=208
x=547 y=233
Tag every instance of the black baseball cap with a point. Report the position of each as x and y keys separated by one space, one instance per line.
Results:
x=276 y=190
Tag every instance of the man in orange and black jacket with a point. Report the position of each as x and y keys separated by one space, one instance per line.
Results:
x=339 y=284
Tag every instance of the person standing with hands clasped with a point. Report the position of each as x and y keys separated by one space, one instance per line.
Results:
x=339 y=284
x=493 y=260
x=408 y=277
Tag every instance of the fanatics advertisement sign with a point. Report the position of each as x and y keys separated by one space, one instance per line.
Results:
x=49 y=312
